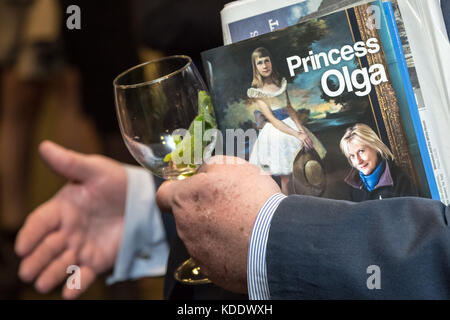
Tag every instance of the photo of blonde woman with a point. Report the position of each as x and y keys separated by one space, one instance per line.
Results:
x=374 y=174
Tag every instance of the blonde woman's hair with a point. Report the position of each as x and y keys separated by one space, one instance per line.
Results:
x=364 y=135
x=257 y=81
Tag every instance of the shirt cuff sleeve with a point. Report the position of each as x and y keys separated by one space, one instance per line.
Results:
x=143 y=250
x=258 y=286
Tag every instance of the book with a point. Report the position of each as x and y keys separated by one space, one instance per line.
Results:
x=426 y=138
x=336 y=72
x=404 y=91
x=250 y=18
x=425 y=37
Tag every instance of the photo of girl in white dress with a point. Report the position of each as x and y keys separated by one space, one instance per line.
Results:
x=281 y=134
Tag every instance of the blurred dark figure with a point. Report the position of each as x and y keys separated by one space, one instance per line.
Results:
x=105 y=46
x=182 y=27
x=108 y=42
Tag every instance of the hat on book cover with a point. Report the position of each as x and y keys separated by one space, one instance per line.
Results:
x=308 y=175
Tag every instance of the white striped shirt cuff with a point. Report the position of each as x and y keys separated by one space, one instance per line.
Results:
x=258 y=286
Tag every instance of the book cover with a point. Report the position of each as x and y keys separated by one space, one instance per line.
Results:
x=333 y=73
x=415 y=115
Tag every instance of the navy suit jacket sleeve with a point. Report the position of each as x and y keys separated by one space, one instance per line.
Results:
x=327 y=249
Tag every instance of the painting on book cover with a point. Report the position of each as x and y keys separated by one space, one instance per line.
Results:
x=316 y=107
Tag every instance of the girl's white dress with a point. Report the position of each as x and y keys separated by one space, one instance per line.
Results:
x=274 y=151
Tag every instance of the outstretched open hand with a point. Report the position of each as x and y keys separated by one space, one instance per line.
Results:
x=80 y=225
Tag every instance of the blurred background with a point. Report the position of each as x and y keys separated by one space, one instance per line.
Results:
x=56 y=84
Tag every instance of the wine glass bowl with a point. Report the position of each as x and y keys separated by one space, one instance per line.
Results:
x=154 y=101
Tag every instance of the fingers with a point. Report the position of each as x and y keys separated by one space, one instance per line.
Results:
x=87 y=276
x=307 y=142
x=167 y=194
x=70 y=164
x=44 y=254
x=38 y=225
x=56 y=272
x=310 y=143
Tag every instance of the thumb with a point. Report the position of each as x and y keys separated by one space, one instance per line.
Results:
x=172 y=192
x=165 y=194
x=67 y=163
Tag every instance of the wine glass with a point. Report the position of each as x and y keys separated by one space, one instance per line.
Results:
x=168 y=125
